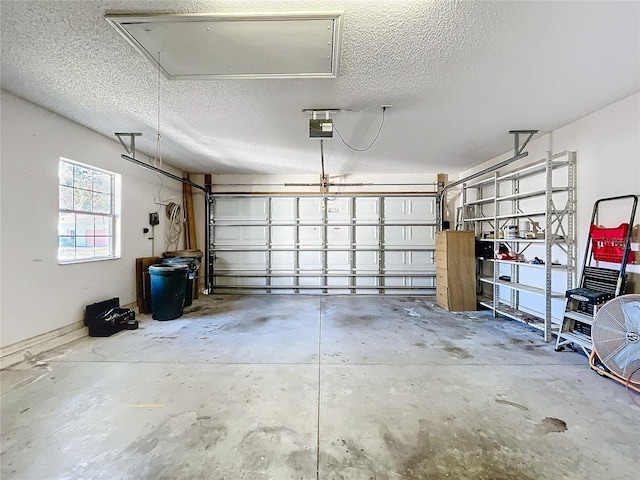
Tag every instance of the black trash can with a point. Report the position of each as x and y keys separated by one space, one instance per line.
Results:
x=168 y=283
x=192 y=265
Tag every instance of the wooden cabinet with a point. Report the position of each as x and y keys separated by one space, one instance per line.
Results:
x=456 y=270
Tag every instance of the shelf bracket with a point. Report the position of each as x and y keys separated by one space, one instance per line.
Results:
x=517 y=148
x=131 y=149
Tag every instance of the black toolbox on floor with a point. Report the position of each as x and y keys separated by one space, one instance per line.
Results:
x=106 y=318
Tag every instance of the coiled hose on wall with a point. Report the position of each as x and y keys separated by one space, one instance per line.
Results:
x=174 y=214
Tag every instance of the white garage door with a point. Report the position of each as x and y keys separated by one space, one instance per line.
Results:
x=310 y=244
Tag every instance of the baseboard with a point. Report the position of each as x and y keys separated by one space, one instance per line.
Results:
x=25 y=349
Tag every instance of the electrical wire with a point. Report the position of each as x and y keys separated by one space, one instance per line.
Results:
x=372 y=142
x=159 y=191
x=176 y=219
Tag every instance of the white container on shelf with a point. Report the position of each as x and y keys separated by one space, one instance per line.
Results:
x=510 y=232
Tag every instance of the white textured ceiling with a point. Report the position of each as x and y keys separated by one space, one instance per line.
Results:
x=458 y=74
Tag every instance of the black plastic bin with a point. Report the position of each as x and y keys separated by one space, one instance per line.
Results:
x=168 y=284
x=192 y=265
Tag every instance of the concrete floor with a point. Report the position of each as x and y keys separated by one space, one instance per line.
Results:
x=302 y=387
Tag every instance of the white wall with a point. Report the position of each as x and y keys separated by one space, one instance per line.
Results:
x=37 y=294
x=607 y=143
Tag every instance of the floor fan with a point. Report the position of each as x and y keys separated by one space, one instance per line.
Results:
x=616 y=341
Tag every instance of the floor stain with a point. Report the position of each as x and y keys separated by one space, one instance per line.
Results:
x=357 y=320
x=351 y=462
x=155 y=452
x=419 y=344
x=537 y=348
x=265 y=446
x=456 y=352
x=551 y=425
x=461 y=453
x=249 y=324
x=440 y=451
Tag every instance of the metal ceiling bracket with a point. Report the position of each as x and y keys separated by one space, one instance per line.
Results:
x=131 y=149
x=517 y=148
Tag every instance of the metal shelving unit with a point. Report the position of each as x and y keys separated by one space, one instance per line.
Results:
x=526 y=292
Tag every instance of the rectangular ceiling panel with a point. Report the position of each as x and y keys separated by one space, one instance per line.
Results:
x=204 y=46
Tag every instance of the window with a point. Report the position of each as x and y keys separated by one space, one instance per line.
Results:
x=88 y=213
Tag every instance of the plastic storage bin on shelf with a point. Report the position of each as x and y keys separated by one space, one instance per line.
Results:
x=168 y=284
x=192 y=266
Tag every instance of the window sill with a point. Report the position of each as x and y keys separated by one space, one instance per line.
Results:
x=86 y=260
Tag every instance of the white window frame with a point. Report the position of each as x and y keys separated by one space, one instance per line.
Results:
x=113 y=216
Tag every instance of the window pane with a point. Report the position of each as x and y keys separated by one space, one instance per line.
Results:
x=66 y=248
x=84 y=247
x=66 y=224
x=84 y=225
x=103 y=226
x=66 y=198
x=82 y=200
x=101 y=203
x=101 y=182
x=103 y=246
x=65 y=173
x=81 y=177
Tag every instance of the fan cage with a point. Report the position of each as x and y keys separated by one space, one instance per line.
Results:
x=614 y=338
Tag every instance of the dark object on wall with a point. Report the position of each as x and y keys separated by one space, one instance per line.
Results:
x=106 y=318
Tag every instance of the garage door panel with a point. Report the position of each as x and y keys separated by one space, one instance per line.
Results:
x=311 y=282
x=367 y=261
x=310 y=209
x=367 y=209
x=233 y=235
x=339 y=210
x=283 y=209
x=402 y=209
x=283 y=282
x=338 y=261
x=411 y=235
x=409 y=285
x=339 y=282
x=310 y=261
x=283 y=235
x=367 y=236
x=232 y=261
x=338 y=236
x=310 y=236
x=241 y=208
x=242 y=282
x=371 y=282
x=283 y=261
x=399 y=262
